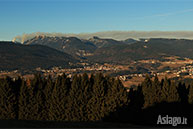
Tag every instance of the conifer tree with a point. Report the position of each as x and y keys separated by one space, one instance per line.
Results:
x=97 y=102
x=7 y=99
x=28 y=109
x=74 y=107
x=139 y=98
x=157 y=92
x=190 y=95
x=89 y=105
x=117 y=95
x=47 y=91
x=147 y=91
x=183 y=92
x=59 y=98
x=16 y=85
x=38 y=85
x=165 y=90
x=173 y=93
x=87 y=93
x=23 y=102
x=110 y=98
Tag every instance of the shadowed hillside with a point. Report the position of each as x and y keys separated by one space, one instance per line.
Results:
x=16 y=56
x=151 y=49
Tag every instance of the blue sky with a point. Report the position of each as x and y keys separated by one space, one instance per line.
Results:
x=76 y=16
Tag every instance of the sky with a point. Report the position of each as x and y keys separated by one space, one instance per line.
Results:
x=83 y=16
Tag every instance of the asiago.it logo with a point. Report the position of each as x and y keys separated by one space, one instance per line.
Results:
x=174 y=121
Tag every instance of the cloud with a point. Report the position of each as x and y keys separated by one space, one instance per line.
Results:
x=118 y=35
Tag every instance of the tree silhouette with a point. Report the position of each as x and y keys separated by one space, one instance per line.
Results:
x=190 y=94
x=8 y=100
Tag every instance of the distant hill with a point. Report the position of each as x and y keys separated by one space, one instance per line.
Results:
x=70 y=45
x=178 y=47
x=129 y=41
x=104 y=42
x=17 y=56
x=147 y=49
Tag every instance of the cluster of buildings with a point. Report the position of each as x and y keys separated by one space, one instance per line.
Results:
x=98 y=67
x=185 y=70
x=56 y=71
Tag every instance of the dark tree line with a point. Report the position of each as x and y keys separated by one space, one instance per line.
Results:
x=152 y=91
x=83 y=98
x=153 y=98
x=159 y=91
x=166 y=90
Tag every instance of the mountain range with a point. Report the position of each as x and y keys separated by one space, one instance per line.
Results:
x=116 y=35
x=44 y=51
x=112 y=51
x=75 y=46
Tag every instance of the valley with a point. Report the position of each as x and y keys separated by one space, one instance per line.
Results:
x=129 y=60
